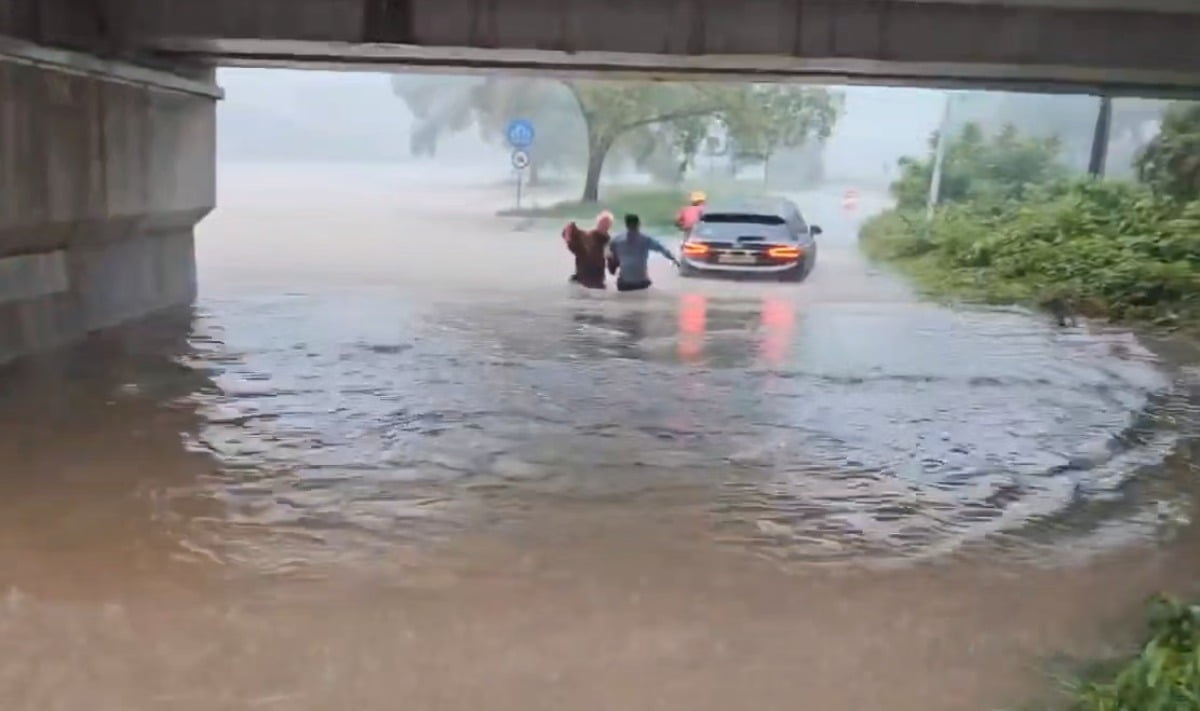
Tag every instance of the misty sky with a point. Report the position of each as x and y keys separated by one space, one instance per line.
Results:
x=271 y=115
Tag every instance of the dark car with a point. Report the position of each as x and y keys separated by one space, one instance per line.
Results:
x=751 y=237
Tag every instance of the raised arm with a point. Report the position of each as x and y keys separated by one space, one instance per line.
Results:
x=570 y=236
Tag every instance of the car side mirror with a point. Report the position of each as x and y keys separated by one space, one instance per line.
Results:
x=814 y=230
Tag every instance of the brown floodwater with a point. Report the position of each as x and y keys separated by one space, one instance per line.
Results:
x=392 y=460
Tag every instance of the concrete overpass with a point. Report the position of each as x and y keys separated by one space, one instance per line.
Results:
x=1125 y=46
x=107 y=115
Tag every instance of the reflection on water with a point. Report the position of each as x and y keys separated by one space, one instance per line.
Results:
x=92 y=458
x=693 y=320
x=774 y=332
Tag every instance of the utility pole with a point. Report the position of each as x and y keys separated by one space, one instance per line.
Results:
x=939 y=155
x=1100 y=138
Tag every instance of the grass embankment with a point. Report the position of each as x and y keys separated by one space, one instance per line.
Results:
x=656 y=206
x=1108 y=250
x=1163 y=675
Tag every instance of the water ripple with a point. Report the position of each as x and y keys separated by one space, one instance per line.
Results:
x=819 y=431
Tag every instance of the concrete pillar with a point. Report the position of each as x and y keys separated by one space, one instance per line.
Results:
x=105 y=169
x=1099 y=155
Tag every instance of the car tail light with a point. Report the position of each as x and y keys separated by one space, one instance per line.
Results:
x=695 y=249
x=784 y=252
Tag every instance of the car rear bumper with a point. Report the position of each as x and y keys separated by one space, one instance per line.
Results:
x=705 y=266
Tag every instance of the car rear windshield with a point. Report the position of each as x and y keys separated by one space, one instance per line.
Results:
x=742 y=218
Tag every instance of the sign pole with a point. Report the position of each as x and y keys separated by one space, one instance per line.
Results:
x=935 y=182
x=520 y=161
x=520 y=135
x=1100 y=138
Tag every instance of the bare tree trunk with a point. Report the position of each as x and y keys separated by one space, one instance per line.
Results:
x=597 y=152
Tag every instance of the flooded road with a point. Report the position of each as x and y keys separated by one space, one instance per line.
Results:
x=393 y=460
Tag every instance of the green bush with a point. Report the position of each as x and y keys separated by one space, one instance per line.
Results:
x=980 y=168
x=1170 y=163
x=1164 y=676
x=1111 y=249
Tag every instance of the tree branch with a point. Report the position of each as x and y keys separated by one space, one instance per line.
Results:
x=587 y=116
x=664 y=118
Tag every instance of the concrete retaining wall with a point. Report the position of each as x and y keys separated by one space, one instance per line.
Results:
x=104 y=173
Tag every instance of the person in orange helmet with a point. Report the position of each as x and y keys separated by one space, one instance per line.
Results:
x=691 y=213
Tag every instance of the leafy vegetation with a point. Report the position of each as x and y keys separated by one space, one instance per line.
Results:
x=1170 y=163
x=977 y=167
x=651 y=123
x=766 y=118
x=1012 y=229
x=1104 y=249
x=1163 y=676
x=445 y=105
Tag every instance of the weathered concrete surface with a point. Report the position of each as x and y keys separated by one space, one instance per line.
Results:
x=1122 y=46
x=102 y=179
x=65 y=23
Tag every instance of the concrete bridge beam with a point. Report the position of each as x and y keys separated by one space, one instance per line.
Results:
x=1047 y=44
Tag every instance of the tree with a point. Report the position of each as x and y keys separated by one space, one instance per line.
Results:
x=547 y=103
x=611 y=110
x=453 y=104
x=585 y=121
x=1170 y=163
x=654 y=150
x=980 y=167
x=765 y=118
x=684 y=139
x=439 y=104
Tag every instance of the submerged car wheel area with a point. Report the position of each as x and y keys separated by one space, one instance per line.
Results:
x=764 y=237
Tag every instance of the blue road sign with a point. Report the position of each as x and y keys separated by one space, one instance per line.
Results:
x=520 y=133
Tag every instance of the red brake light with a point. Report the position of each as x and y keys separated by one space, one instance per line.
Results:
x=784 y=252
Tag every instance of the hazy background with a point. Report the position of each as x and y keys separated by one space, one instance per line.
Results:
x=302 y=116
x=272 y=116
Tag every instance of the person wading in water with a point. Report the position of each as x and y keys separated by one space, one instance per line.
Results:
x=630 y=251
x=589 y=247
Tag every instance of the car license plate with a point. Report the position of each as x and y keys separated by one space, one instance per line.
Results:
x=736 y=259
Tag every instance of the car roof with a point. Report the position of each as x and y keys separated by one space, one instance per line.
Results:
x=764 y=205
